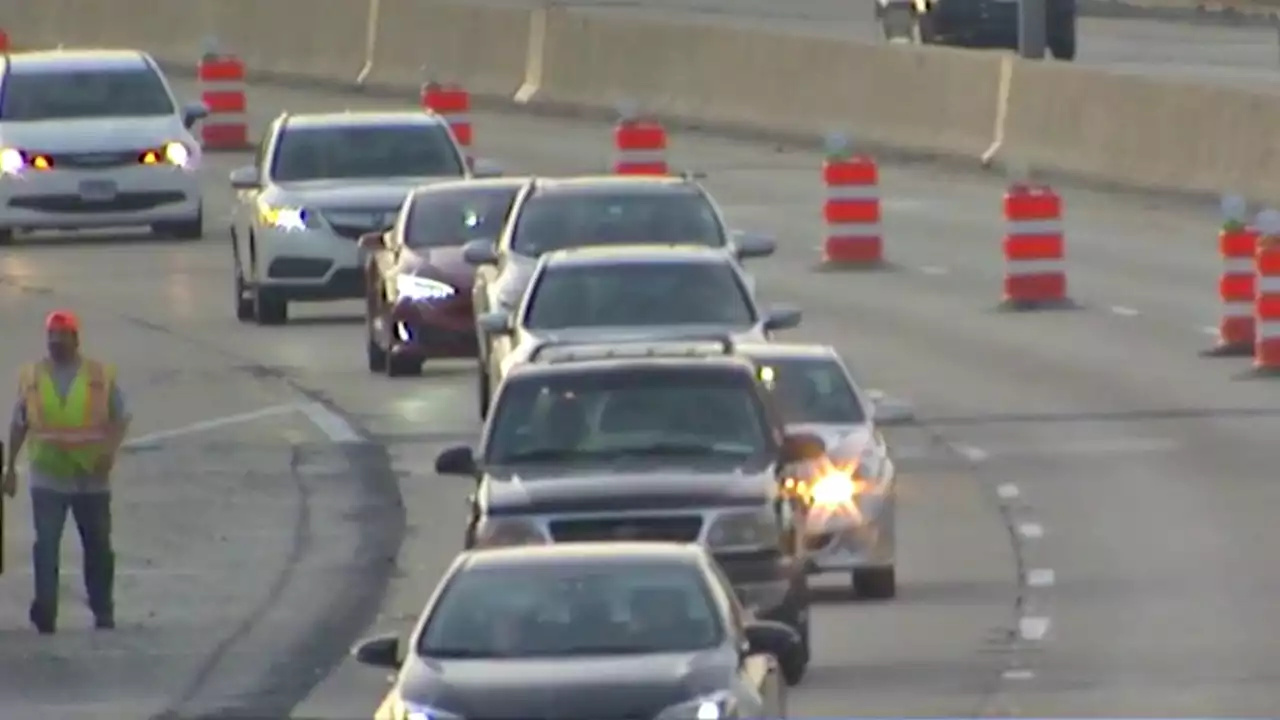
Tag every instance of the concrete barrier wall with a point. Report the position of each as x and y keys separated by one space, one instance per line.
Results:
x=1125 y=129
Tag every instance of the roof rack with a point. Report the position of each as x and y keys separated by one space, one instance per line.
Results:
x=700 y=345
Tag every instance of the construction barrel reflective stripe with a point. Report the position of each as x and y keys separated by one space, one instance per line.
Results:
x=851 y=212
x=453 y=103
x=1238 y=246
x=67 y=434
x=222 y=90
x=640 y=148
x=1034 y=248
x=1266 y=351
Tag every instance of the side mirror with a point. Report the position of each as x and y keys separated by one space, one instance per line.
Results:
x=373 y=241
x=245 y=178
x=193 y=113
x=380 y=652
x=480 y=252
x=802 y=448
x=457 y=460
x=485 y=168
x=887 y=411
x=753 y=245
x=783 y=318
x=766 y=637
x=495 y=323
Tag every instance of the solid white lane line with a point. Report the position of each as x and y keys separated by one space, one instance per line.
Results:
x=333 y=425
x=206 y=425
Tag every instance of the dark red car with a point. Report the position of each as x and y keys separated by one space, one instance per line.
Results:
x=419 y=286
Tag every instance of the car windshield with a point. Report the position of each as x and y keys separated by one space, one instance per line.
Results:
x=456 y=216
x=606 y=415
x=69 y=95
x=812 y=390
x=638 y=294
x=540 y=610
x=355 y=152
x=562 y=220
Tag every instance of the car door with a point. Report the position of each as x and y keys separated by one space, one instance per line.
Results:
x=245 y=211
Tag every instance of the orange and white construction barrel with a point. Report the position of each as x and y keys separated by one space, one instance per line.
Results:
x=1034 y=248
x=221 y=80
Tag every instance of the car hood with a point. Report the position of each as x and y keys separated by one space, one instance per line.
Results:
x=364 y=194
x=439 y=263
x=629 y=686
x=614 y=486
x=93 y=134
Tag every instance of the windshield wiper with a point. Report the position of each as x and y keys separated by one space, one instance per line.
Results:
x=546 y=455
x=448 y=653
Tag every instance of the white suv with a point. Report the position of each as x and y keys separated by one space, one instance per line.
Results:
x=318 y=183
x=95 y=139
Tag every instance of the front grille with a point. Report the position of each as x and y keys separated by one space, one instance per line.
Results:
x=685 y=528
x=97 y=160
x=351 y=223
x=123 y=202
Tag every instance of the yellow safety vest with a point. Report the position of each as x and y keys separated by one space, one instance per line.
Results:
x=67 y=436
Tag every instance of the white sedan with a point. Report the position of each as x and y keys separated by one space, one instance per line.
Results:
x=95 y=139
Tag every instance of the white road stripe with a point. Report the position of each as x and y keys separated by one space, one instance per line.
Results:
x=1031 y=530
x=206 y=425
x=1033 y=628
x=1041 y=578
x=1123 y=311
x=1008 y=491
x=333 y=425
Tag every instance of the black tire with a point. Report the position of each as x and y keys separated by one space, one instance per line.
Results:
x=244 y=299
x=403 y=365
x=269 y=309
x=1063 y=43
x=6 y=236
x=482 y=391
x=926 y=29
x=192 y=229
x=875 y=583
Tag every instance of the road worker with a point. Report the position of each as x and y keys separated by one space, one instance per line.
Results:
x=72 y=418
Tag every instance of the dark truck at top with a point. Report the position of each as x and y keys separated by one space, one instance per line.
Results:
x=974 y=23
x=671 y=441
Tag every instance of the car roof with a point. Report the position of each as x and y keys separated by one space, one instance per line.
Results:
x=40 y=61
x=734 y=363
x=370 y=118
x=587 y=552
x=771 y=350
x=596 y=255
x=513 y=183
x=604 y=184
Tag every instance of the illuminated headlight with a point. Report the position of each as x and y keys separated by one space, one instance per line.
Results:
x=177 y=154
x=11 y=161
x=506 y=532
x=717 y=706
x=412 y=287
x=414 y=711
x=752 y=529
x=286 y=218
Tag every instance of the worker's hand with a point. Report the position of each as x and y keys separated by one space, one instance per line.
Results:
x=9 y=482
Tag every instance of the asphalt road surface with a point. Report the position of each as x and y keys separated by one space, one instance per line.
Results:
x=1085 y=514
x=1239 y=56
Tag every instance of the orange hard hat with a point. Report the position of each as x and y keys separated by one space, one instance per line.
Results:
x=62 y=321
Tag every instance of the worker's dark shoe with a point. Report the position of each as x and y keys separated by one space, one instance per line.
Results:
x=104 y=622
x=43 y=623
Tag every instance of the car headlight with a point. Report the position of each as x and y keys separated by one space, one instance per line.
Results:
x=412 y=287
x=173 y=153
x=415 y=711
x=286 y=218
x=505 y=532
x=716 y=706
x=14 y=161
x=752 y=529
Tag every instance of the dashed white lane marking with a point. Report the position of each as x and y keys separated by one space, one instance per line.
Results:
x=1018 y=674
x=1008 y=491
x=1041 y=578
x=971 y=453
x=333 y=425
x=1030 y=530
x=1123 y=311
x=934 y=270
x=207 y=425
x=1033 y=628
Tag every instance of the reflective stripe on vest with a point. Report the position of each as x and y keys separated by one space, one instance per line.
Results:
x=67 y=433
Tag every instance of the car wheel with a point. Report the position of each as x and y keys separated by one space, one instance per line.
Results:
x=1063 y=44
x=6 y=236
x=192 y=229
x=401 y=365
x=268 y=309
x=243 y=298
x=875 y=583
x=482 y=391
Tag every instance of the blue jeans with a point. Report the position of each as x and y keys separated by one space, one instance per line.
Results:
x=92 y=513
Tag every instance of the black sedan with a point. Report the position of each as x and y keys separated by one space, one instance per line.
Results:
x=589 y=631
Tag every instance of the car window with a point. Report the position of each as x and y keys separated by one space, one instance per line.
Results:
x=84 y=93
x=354 y=152
x=448 y=218
x=812 y=390
x=635 y=294
x=630 y=412
x=539 y=611
x=555 y=221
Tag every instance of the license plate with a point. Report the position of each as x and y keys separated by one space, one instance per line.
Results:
x=97 y=190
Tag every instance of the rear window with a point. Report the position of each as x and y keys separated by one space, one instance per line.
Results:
x=636 y=294
x=355 y=152
x=84 y=93
x=446 y=218
x=557 y=221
